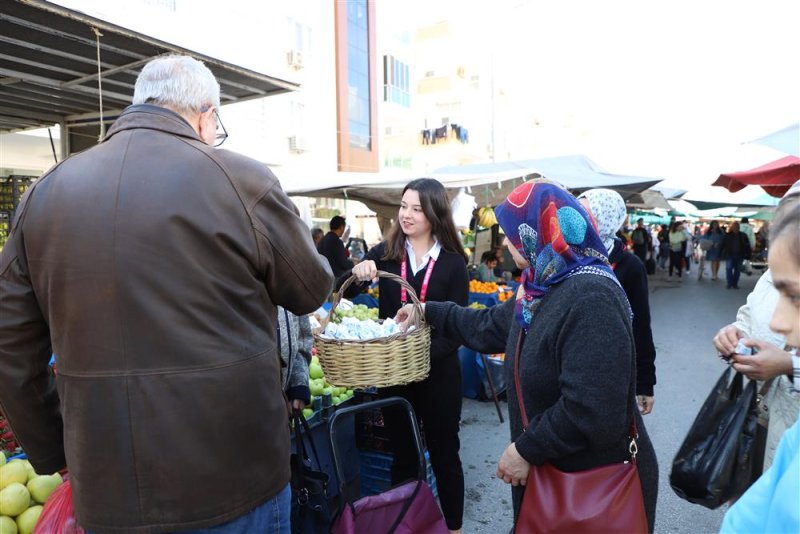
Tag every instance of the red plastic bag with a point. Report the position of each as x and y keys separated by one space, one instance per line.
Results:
x=58 y=515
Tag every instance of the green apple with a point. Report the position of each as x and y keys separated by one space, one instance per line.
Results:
x=7 y=525
x=307 y=412
x=315 y=359
x=316 y=387
x=27 y=520
x=42 y=486
x=327 y=391
x=31 y=471
x=2 y=458
x=13 y=471
x=14 y=499
x=315 y=370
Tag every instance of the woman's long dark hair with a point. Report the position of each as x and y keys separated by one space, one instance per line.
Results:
x=714 y=228
x=436 y=207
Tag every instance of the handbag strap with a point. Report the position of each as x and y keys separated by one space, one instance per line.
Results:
x=300 y=422
x=633 y=431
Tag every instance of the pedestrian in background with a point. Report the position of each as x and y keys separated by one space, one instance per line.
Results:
x=663 y=247
x=332 y=247
x=169 y=411
x=642 y=242
x=316 y=235
x=714 y=237
x=677 y=244
x=570 y=329
x=735 y=248
x=608 y=209
x=486 y=268
x=770 y=505
x=747 y=229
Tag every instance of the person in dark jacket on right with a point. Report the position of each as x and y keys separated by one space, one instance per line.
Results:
x=734 y=250
x=608 y=209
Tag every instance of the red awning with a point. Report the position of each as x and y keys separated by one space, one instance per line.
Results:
x=775 y=178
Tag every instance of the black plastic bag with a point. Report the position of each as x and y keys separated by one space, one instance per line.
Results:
x=721 y=455
x=310 y=511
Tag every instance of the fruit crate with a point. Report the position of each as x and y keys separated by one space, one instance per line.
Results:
x=375 y=472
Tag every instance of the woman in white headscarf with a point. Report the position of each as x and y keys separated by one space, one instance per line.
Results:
x=608 y=209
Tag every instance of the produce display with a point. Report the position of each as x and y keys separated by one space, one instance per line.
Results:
x=476 y=286
x=320 y=387
x=486 y=217
x=23 y=493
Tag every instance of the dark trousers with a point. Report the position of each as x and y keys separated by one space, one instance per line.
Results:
x=675 y=261
x=733 y=269
x=641 y=251
x=437 y=403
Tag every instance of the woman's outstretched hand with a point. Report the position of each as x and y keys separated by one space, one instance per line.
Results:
x=406 y=316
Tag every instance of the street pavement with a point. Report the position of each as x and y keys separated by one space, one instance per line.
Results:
x=685 y=317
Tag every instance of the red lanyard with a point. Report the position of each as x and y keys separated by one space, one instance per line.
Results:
x=404 y=273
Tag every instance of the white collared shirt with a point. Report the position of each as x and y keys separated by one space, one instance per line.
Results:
x=432 y=253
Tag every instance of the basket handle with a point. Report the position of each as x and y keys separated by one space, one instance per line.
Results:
x=381 y=274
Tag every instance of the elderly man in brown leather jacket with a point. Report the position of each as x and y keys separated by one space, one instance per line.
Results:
x=152 y=265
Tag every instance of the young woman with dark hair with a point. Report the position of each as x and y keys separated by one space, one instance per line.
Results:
x=424 y=248
x=714 y=235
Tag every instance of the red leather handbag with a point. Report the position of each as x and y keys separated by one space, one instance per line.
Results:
x=605 y=499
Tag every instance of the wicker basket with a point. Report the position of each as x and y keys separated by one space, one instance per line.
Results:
x=388 y=361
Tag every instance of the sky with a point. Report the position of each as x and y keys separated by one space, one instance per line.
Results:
x=669 y=89
x=666 y=89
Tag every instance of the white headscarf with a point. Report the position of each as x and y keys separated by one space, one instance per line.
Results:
x=608 y=210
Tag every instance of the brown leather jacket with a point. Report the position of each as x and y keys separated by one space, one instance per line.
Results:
x=152 y=265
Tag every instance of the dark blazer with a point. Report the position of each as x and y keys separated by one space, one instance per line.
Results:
x=332 y=248
x=449 y=283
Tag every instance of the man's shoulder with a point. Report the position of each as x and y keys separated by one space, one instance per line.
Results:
x=243 y=170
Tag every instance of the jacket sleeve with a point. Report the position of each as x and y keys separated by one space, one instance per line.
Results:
x=28 y=396
x=638 y=296
x=296 y=276
x=457 y=292
x=596 y=369
x=483 y=330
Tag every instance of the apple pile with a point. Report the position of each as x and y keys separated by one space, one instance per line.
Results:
x=319 y=386
x=23 y=493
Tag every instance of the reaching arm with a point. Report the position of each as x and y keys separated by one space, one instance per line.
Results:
x=485 y=330
x=296 y=276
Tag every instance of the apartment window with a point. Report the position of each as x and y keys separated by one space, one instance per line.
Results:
x=299 y=36
x=395 y=81
x=358 y=73
x=356 y=86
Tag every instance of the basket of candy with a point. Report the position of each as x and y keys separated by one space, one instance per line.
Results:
x=359 y=352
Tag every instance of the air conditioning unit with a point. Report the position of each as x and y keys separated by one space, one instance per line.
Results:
x=297 y=144
x=295 y=58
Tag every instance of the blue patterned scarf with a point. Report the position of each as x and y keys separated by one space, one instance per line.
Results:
x=553 y=232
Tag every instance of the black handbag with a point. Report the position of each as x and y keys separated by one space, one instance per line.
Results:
x=310 y=510
x=722 y=453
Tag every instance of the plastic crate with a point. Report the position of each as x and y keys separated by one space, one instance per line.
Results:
x=375 y=473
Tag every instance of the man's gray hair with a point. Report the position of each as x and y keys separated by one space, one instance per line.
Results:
x=181 y=83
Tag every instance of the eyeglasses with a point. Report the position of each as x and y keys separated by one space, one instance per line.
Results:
x=221 y=135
